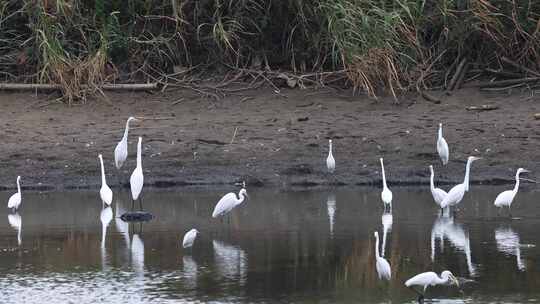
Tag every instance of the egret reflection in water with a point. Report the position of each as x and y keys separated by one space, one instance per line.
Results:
x=445 y=227
x=15 y=221
x=508 y=243
x=137 y=254
x=189 y=272
x=331 y=206
x=387 y=220
x=121 y=226
x=231 y=261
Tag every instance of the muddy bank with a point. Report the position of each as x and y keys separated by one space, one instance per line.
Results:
x=266 y=139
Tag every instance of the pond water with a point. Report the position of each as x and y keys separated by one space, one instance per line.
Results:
x=308 y=246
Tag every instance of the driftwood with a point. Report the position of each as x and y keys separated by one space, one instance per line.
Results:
x=519 y=66
x=537 y=116
x=506 y=82
x=53 y=87
x=482 y=108
x=459 y=71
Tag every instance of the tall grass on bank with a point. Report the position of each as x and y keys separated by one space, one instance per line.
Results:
x=384 y=46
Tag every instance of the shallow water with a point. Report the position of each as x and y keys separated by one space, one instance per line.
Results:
x=313 y=246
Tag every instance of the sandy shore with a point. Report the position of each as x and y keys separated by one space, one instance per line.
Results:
x=267 y=139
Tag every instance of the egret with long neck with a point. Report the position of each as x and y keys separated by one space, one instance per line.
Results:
x=330 y=161
x=137 y=179
x=506 y=198
x=442 y=147
x=437 y=193
x=105 y=192
x=455 y=195
x=15 y=200
x=386 y=194
x=382 y=265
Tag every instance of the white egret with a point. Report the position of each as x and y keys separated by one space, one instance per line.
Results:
x=15 y=221
x=442 y=147
x=438 y=193
x=387 y=219
x=386 y=194
x=430 y=278
x=121 y=150
x=455 y=195
x=382 y=265
x=15 y=200
x=330 y=161
x=137 y=179
x=228 y=202
x=508 y=243
x=507 y=197
x=105 y=216
x=189 y=238
x=105 y=192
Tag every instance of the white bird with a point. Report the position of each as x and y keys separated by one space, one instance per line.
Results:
x=105 y=216
x=189 y=238
x=105 y=192
x=387 y=219
x=228 y=202
x=442 y=147
x=455 y=195
x=438 y=193
x=386 y=194
x=15 y=200
x=15 y=221
x=430 y=278
x=121 y=150
x=506 y=198
x=382 y=265
x=137 y=179
x=330 y=161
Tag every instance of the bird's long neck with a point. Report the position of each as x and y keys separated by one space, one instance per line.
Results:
x=18 y=186
x=240 y=199
x=103 y=181
x=431 y=183
x=124 y=138
x=383 y=175
x=377 y=245
x=517 y=183
x=139 y=156
x=466 y=180
x=440 y=132
x=442 y=280
x=330 y=149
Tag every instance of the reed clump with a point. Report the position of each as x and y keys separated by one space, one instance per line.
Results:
x=382 y=46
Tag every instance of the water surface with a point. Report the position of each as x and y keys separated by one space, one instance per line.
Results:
x=311 y=246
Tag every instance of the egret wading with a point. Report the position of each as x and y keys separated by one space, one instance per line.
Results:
x=105 y=192
x=330 y=161
x=386 y=194
x=430 y=279
x=437 y=193
x=121 y=150
x=137 y=179
x=455 y=195
x=189 y=238
x=15 y=200
x=442 y=147
x=382 y=265
x=228 y=202
x=506 y=198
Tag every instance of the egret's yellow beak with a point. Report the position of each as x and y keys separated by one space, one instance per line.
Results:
x=455 y=280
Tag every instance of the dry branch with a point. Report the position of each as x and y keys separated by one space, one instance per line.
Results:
x=52 y=87
x=506 y=82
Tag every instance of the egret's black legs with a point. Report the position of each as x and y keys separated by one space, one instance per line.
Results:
x=140 y=202
x=132 y=203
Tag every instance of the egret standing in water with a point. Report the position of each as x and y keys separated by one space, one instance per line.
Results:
x=455 y=195
x=438 y=193
x=121 y=150
x=382 y=265
x=15 y=200
x=386 y=194
x=442 y=147
x=507 y=197
x=330 y=161
x=137 y=179
x=228 y=202
x=189 y=238
x=105 y=192
x=430 y=279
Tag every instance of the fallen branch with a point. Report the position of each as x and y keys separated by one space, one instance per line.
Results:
x=519 y=66
x=506 y=82
x=457 y=75
x=53 y=87
x=482 y=108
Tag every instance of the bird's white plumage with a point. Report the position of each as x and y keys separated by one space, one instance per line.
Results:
x=15 y=200
x=121 y=150
x=382 y=265
x=105 y=192
x=455 y=195
x=15 y=221
x=386 y=194
x=137 y=179
x=228 y=202
x=442 y=147
x=506 y=198
x=437 y=193
x=189 y=238
x=430 y=278
x=330 y=161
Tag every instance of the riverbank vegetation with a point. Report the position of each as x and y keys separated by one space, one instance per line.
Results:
x=373 y=46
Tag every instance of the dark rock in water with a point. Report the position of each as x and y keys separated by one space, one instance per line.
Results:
x=137 y=216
